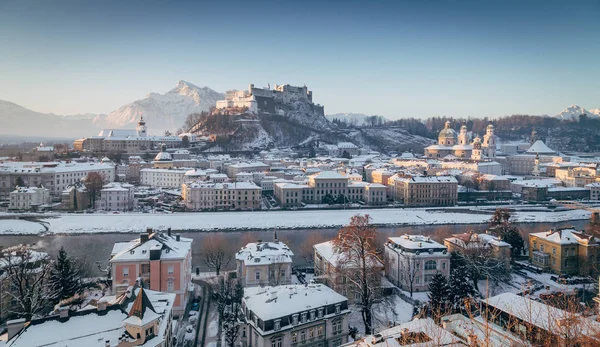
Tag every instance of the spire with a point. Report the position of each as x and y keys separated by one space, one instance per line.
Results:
x=140 y=304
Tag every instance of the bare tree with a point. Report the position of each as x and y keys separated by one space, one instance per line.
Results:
x=93 y=183
x=228 y=294
x=26 y=271
x=362 y=265
x=409 y=271
x=215 y=254
x=479 y=264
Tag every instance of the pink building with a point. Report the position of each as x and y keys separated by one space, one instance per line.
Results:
x=161 y=261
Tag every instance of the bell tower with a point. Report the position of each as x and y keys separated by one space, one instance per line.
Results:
x=141 y=127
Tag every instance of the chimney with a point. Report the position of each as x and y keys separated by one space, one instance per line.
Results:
x=149 y=231
x=178 y=237
x=102 y=306
x=143 y=237
x=169 y=231
x=14 y=327
x=107 y=343
x=63 y=312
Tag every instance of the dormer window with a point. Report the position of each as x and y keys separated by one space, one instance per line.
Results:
x=312 y=315
x=303 y=317
x=320 y=313
x=277 y=324
x=295 y=319
x=338 y=308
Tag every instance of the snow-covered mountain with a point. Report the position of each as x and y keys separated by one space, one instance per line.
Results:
x=358 y=119
x=574 y=111
x=165 y=111
x=17 y=120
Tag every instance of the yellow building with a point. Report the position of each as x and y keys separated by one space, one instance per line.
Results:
x=565 y=251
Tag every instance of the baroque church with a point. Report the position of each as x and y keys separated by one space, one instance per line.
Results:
x=452 y=145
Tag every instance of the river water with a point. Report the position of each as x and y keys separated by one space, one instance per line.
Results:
x=97 y=247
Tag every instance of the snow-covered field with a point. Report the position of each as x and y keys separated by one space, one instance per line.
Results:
x=214 y=221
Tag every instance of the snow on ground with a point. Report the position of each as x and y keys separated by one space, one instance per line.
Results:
x=213 y=221
x=391 y=309
x=19 y=226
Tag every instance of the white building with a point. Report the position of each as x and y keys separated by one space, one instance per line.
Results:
x=594 y=189
x=56 y=176
x=221 y=196
x=234 y=169
x=162 y=178
x=264 y=263
x=413 y=260
x=425 y=190
x=26 y=198
x=117 y=197
x=294 y=315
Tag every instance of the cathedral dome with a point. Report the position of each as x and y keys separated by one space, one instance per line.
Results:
x=163 y=155
x=447 y=132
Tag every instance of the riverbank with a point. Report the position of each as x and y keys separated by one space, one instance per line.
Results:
x=260 y=220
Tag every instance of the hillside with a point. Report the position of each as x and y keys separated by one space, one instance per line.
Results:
x=355 y=119
x=17 y=120
x=164 y=111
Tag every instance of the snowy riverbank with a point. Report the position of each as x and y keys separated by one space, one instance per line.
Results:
x=215 y=221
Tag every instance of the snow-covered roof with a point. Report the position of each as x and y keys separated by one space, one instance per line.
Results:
x=264 y=253
x=398 y=336
x=415 y=242
x=428 y=179
x=329 y=175
x=346 y=145
x=543 y=316
x=539 y=147
x=136 y=250
x=289 y=300
x=564 y=236
x=327 y=251
x=471 y=240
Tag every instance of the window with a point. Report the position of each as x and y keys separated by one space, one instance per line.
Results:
x=311 y=332
x=277 y=324
x=276 y=342
x=337 y=326
x=303 y=335
x=444 y=266
x=257 y=275
x=320 y=313
x=430 y=265
x=170 y=269
x=303 y=317
x=125 y=272
x=295 y=319
x=294 y=337
x=170 y=285
x=542 y=248
x=312 y=315
x=337 y=308
x=282 y=273
x=320 y=330
x=554 y=250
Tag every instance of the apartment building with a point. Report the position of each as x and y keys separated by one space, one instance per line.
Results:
x=565 y=251
x=474 y=242
x=221 y=196
x=117 y=196
x=163 y=262
x=162 y=178
x=27 y=198
x=294 y=315
x=411 y=261
x=425 y=190
x=264 y=263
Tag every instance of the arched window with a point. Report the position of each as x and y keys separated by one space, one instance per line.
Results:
x=430 y=265
x=170 y=285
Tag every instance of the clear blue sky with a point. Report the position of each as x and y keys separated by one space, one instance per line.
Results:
x=398 y=59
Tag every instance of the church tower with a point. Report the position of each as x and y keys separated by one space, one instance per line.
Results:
x=463 y=136
x=476 y=154
x=534 y=137
x=489 y=141
x=536 y=166
x=141 y=127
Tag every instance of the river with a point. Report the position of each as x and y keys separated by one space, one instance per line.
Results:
x=97 y=247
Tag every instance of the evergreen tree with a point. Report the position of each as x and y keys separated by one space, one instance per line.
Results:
x=75 y=207
x=20 y=182
x=65 y=278
x=461 y=287
x=364 y=174
x=439 y=294
x=501 y=226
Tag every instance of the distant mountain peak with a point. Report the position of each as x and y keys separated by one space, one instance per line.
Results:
x=574 y=111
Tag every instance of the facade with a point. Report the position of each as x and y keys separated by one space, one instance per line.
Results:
x=234 y=169
x=55 y=176
x=426 y=190
x=161 y=261
x=460 y=146
x=576 y=176
x=75 y=197
x=565 y=251
x=294 y=315
x=162 y=178
x=200 y=196
x=117 y=197
x=141 y=317
x=125 y=140
x=27 y=198
x=264 y=263
x=413 y=260
x=594 y=189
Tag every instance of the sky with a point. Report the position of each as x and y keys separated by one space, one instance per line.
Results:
x=392 y=58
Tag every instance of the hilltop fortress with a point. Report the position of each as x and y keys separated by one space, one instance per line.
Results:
x=264 y=100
